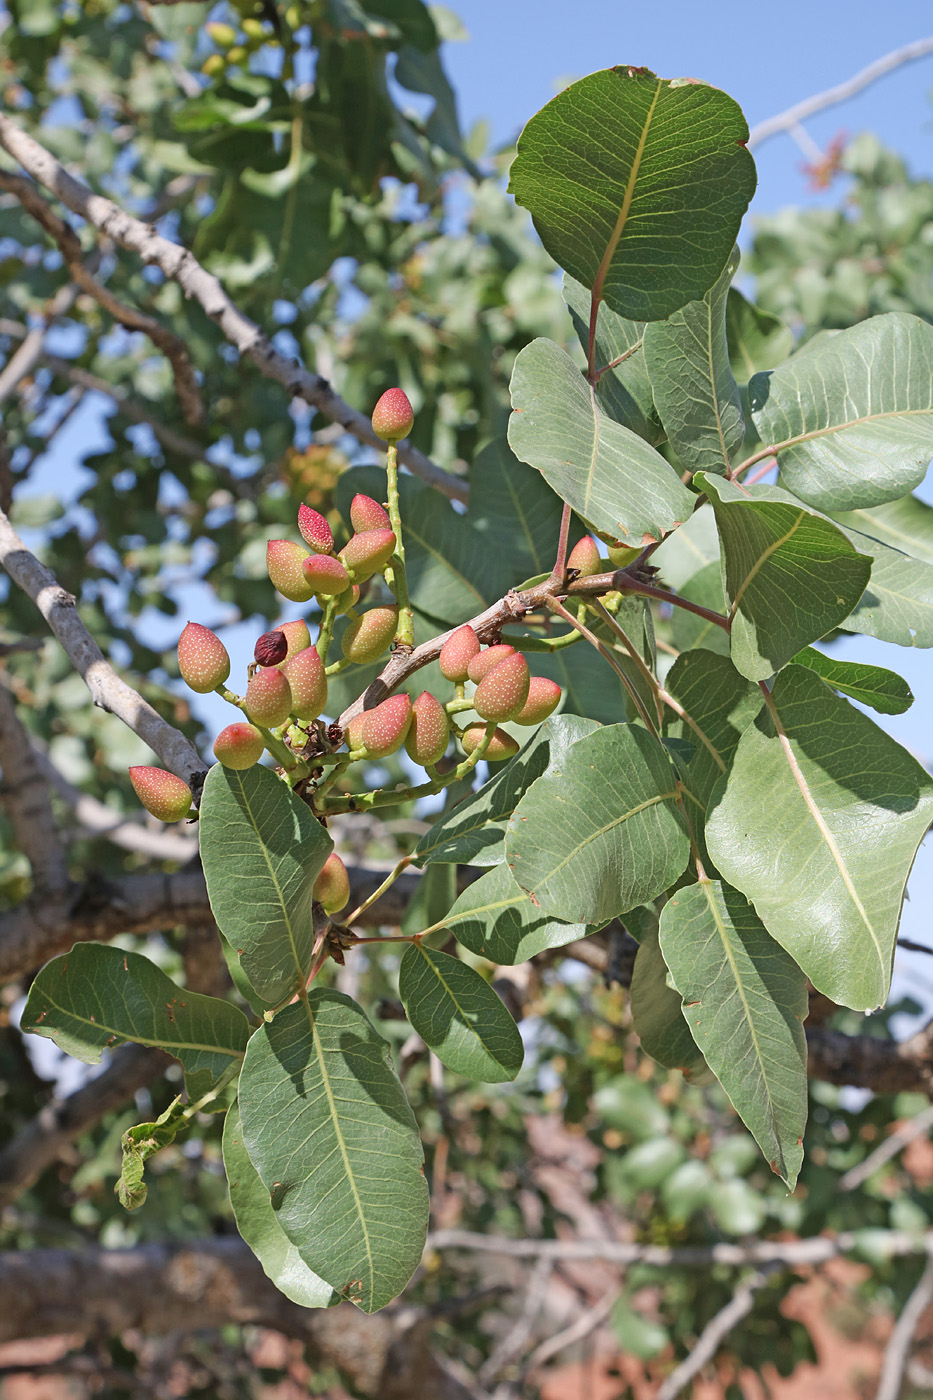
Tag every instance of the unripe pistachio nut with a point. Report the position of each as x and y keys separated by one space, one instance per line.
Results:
x=239 y=745
x=367 y=514
x=543 y=699
x=348 y=599
x=161 y=793
x=315 y=530
x=481 y=665
x=202 y=658
x=385 y=728
x=332 y=886
x=284 y=559
x=427 y=737
x=457 y=653
x=393 y=416
x=296 y=635
x=368 y=553
x=367 y=637
x=502 y=746
x=325 y=575
x=620 y=556
x=305 y=675
x=585 y=557
x=502 y=692
x=268 y=699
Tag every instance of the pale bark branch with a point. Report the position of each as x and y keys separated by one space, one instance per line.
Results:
x=181 y=266
x=715 y=1332
x=890 y=1147
x=171 y=345
x=25 y=796
x=898 y=1350
x=592 y=1318
x=25 y=358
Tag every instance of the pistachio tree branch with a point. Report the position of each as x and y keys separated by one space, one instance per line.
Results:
x=716 y=1331
x=898 y=1351
x=25 y=796
x=27 y=355
x=180 y=266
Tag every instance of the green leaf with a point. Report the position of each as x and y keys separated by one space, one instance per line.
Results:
x=851 y=421
x=637 y=186
x=905 y=525
x=458 y=1015
x=790 y=575
x=473 y=833
x=697 y=398
x=138 y=1144
x=609 y=475
x=657 y=1013
x=514 y=514
x=745 y=1001
x=688 y=629
x=257 y=1223
x=601 y=833
x=262 y=850
x=434 y=895
x=825 y=860
x=624 y=390
x=497 y=920
x=897 y=605
x=757 y=340
x=689 y=549
x=721 y=705
x=883 y=690
x=330 y=1132
x=95 y=996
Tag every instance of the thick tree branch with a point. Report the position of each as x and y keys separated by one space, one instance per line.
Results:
x=171 y=345
x=884 y=1066
x=180 y=266
x=25 y=796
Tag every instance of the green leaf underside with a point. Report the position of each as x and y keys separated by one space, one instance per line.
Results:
x=262 y=851
x=852 y=419
x=624 y=391
x=757 y=340
x=609 y=475
x=473 y=833
x=689 y=549
x=138 y=1144
x=513 y=513
x=329 y=1130
x=458 y=1016
x=897 y=605
x=883 y=690
x=656 y=1011
x=721 y=703
x=791 y=576
x=637 y=186
x=825 y=860
x=496 y=919
x=601 y=834
x=745 y=1001
x=688 y=629
x=257 y=1223
x=906 y=525
x=697 y=398
x=95 y=996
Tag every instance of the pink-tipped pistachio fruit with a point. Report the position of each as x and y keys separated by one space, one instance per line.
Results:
x=332 y=886
x=354 y=732
x=268 y=699
x=502 y=692
x=315 y=530
x=284 y=559
x=385 y=728
x=367 y=637
x=305 y=675
x=585 y=557
x=161 y=793
x=296 y=635
x=502 y=746
x=482 y=664
x=457 y=653
x=202 y=658
x=368 y=553
x=270 y=649
x=239 y=746
x=393 y=416
x=427 y=738
x=325 y=575
x=367 y=514
x=543 y=699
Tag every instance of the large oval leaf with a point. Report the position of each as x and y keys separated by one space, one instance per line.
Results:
x=657 y=1014
x=637 y=186
x=744 y=1000
x=329 y=1130
x=95 y=997
x=496 y=919
x=262 y=851
x=609 y=475
x=602 y=833
x=906 y=525
x=718 y=706
x=458 y=1015
x=851 y=420
x=897 y=605
x=825 y=860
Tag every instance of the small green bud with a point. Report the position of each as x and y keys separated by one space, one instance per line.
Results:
x=239 y=746
x=393 y=416
x=367 y=637
x=223 y=35
x=284 y=561
x=202 y=658
x=426 y=741
x=161 y=793
x=214 y=65
x=332 y=886
x=268 y=698
x=502 y=692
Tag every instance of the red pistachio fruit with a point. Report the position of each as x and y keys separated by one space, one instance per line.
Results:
x=393 y=416
x=368 y=553
x=502 y=692
x=481 y=665
x=367 y=514
x=270 y=649
x=297 y=636
x=324 y=574
x=585 y=557
x=427 y=738
x=305 y=675
x=367 y=637
x=385 y=728
x=332 y=886
x=284 y=559
x=503 y=745
x=543 y=699
x=315 y=530
x=202 y=658
x=239 y=746
x=457 y=653
x=268 y=698
x=161 y=793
